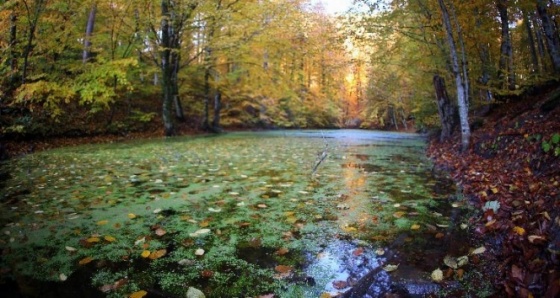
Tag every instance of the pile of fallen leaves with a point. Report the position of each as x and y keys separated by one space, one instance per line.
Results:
x=511 y=175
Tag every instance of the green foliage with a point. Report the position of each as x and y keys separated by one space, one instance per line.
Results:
x=553 y=145
x=45 y=95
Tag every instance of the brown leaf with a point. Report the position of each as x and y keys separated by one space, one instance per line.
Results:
x=283 y=269
x=517 y=273
x=358 y=252
x=339 y=284
x=282 y=251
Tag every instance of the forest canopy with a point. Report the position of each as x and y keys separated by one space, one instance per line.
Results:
x=112 y=66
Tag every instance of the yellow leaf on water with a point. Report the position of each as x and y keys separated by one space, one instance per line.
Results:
x=145 y=254
x=415 y=227
x=93 y=239
x=110 y=238
x=131 y=215
x=102 y=222
x=390 y=268
x=138 y=294
x=494 y=190
x=519 y=230
x=399 y=214
x=85 y=260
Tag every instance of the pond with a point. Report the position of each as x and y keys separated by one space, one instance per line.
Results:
x=248 y=214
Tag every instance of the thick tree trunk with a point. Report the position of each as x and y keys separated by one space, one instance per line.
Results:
x=446 y=109
x=89 y=31
x=551 y=35
x=167 y=70
x=506 y=74
x=459 y=82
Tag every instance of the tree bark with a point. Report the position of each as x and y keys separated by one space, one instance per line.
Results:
x=217 y=109
x=531 y=40
x=167 y=69
x=552 y=40
x=506 y=74
x=32 y=20
x=446 y=109
x=459 y=82
x=89 y=31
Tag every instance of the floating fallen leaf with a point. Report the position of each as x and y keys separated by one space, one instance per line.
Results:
x=110 y=238
x=478 y=251
x=93 y=240
x=160 y=232
x=358 y=252
x=200 y=232
x=62 y=277
x=262 y=206
x=460 y=273
x=340 y=284
x=199 y=252
x=157 y=254
x=439 y=235
x=131 y=215
x=415 y=227
x=70 y=248
x=85 y=260
x=233 y=193
x=282 y=251
x=303 y=192
x=102 y=222
x=145 y=254
x=399 y=214
x=283 y=269
x=442 y=225
x=494 y=190
x=380 y=251
x=390 y=267
x=464 y=226
x=215 y=210
x=140 y=241
x=158 y=210
x=437 y=275
x=138 y=294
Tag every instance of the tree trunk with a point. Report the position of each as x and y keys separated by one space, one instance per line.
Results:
x=176 y=58
x=89 y=30
x=446 y=109
x=461 y=100
x=506 y=74
x=167 y=69
x=217 y=109
x=551 y=35
x=206 y=119
x=32 y=20
x=531 y=40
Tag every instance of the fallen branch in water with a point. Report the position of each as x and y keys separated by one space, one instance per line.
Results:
x=321 y=157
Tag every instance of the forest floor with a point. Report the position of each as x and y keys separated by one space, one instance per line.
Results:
x=511 y=174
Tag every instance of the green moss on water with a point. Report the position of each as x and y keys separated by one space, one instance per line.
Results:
x=254 y=192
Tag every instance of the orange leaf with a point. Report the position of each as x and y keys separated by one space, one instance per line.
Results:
x=85 y=260
x=519 y=230
x=358 y=252
x=282 y=251
x=399 y=214
x=283 y=268
x=158 y=254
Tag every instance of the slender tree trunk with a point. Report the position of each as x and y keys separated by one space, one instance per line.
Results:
x=217 y=109
x=32 y=20
x=176 y=58
x=540 y=43
x=167 y=69
x=459 y=82
x=552 y=40
x=206 y=120
x=506 y=74
x=464 y=60
x=13 y=41
x=531 y=40
x=89 y=31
